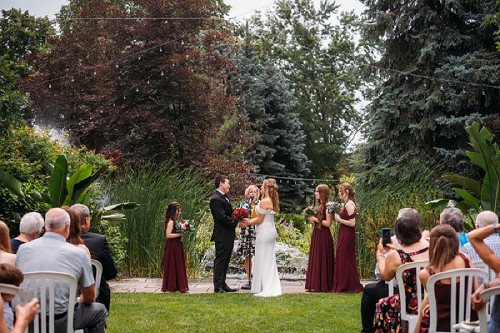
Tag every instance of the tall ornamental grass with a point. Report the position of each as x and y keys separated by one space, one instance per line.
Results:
x=153 y=187
x=379 y=205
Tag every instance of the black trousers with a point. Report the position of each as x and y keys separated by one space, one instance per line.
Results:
x=372 y=293
x=223 y=252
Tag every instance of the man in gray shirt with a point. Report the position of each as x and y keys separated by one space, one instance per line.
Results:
x=51 y=253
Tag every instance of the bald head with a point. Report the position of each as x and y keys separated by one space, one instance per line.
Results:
x=56 y=219
x=486 y=218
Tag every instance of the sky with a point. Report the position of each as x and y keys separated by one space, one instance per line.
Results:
x=240 y=9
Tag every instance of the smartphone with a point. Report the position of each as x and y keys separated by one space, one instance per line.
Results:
x=386 y=234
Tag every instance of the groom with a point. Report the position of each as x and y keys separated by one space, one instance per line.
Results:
x=223 y=234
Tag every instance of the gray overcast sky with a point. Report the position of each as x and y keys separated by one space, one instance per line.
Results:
x=240 y=9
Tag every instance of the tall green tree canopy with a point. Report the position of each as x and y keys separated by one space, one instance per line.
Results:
x=20 y=35
x=440 y=71
x=148 y=88
x=321 y=61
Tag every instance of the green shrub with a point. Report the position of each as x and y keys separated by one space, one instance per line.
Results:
x=27 y=155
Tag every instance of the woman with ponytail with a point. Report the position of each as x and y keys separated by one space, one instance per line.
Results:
x=319 y=276
x=346 y=275
x=266 y=281
x=444 y=255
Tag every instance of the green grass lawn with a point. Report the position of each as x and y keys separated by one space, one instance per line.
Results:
x=140 y=312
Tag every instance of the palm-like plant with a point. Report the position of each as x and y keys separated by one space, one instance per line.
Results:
x=477 y=196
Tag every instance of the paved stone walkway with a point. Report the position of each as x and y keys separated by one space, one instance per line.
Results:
x=196 y=286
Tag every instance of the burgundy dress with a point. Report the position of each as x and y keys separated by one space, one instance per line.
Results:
x=319 y=276
x=174 y=267
x=346 y=275
x=443 y=292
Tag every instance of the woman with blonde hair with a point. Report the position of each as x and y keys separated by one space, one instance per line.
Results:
x=246 y=247
x=346 y=273
x=5 y=256
x=266 y=281
x=319 y=276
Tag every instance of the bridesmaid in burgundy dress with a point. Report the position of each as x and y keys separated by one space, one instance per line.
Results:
x=346 y=278
x=319 y=277
x=174 y=262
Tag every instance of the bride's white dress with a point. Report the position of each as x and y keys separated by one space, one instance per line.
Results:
x=266 y=280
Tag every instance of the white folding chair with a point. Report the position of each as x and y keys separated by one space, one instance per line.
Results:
x=458 y=284
x=390 y=287
x=9 y=289
x=412 y=319
x=44 y=284
x=483 y=314
x=98 y=275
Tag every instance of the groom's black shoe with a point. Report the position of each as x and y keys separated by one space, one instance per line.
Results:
x=219 y=290
x=229 y=290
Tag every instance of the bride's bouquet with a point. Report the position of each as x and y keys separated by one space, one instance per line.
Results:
x=308 y=212
x=333 y=207
x=184 y=226
x=240 y=214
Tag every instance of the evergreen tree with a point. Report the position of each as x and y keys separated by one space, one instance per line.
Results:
x=278 y=140
x=441 y=71
x=320 y=61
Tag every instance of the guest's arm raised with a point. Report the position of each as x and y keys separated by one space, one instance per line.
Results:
x=476 y=238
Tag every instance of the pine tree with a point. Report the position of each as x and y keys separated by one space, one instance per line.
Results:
x=441 y=72
x=278 y=140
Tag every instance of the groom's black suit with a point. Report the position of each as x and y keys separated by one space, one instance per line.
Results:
x=223 y=236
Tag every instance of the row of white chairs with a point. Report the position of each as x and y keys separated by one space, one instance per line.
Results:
x=45 y=282
x=461 y=279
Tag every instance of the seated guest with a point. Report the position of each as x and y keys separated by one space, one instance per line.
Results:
x=373 y=292
x=455 y=218
x=10 y=274
x=477 y=238
x=444 y=255
x=51 y=253
x=30 y=228
x=99 y=250
x=5 y=255
x=75 y=230
x=414 y=248
x=484 y=219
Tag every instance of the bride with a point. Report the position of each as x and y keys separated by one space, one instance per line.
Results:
x=266 y=281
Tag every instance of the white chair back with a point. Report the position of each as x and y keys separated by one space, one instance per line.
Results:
x=44 y=284
x=412 y=319
x=461 y=283
x=98 y=275
x=9 y=289
x=483 y=314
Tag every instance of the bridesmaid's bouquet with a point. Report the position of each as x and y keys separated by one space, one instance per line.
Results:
x=240 y=214
x=184 y=226
x=308 y=212
x=333 y=207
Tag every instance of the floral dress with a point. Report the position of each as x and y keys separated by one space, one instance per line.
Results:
x=388 y=312
x=246 y=246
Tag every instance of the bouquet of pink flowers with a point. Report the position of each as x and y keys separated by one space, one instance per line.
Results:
x=184 y=226
x=239 y=214
x=333 y=207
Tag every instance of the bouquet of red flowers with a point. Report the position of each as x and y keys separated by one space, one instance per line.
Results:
x=184 y=226
x=239 y=214
x=308 y=212
x=333 y=207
